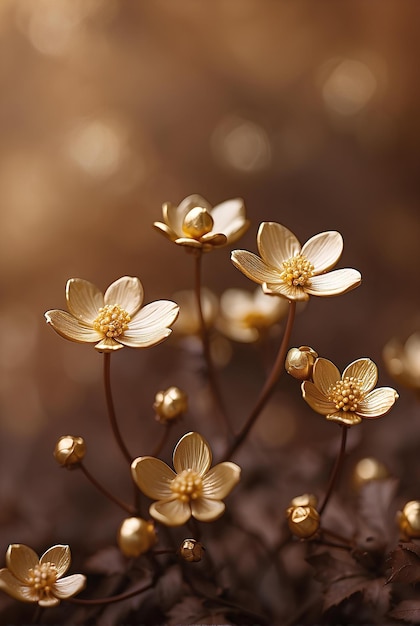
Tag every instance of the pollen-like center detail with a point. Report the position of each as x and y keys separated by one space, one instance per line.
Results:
x=112 y=320
x=197 y=222
x=187 y=486
x=346 y=394
x=42 y=577
x=297 y=271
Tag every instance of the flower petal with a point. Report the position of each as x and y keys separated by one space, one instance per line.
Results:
x=253 y=267
x=69 y=586
x=287 y=291
x=153 y=477
x=165 y=230
x=334 y=283
x=325 y=374
x=14 y=588
x=349 y=418
x=49 y=600
x=171 y=512
x=365 y=370
x=127 y=291
x=214 y=239
x=276 y=243
x=206 y=510
x=323 y=250
x=225 y=213
x=377 y=403
x=174 y=215
x=192 y=452
x=60 y=556
x=150 y=325
x=144 y=339
x=108 y=345
x=70 y=328
x=20 y=559
x=187 y=241
x=316 y=400
x=220 y=480
x=84 y=299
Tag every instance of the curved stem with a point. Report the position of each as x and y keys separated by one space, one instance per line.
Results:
x=111 y=599
x=336 y=469
x=268 y=388
x=111 y=409
x=105 y=492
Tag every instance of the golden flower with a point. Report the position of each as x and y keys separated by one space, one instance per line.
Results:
x=32 y=579
x=136 y=536
x=69 y=450
x=369 y=469
x=196 y=224
x=300 y=362
x=403 y=361
x=170 y=404
x=115 y=319
x=191 y=550
x=295 y=272
x=193 y=489
x=409 y=519
x=349 y=397
x=302 y=517
x=244 y=316
x=188 y=321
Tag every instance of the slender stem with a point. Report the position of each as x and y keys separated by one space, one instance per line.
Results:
x=112 y=599
x=105 y=492
x=268 y=388
x=336 y=469
x=111 y=409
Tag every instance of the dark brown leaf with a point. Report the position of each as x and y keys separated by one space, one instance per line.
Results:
x=407 y=610
x=404 y=563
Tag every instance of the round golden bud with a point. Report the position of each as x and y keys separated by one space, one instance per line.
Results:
x=302 y=517
x=136 y=536
x=409 y=519
x=369 y=469
x=197 y=222
x=170 y=404
x=191 y=550
x=69 y=450
x=300 y=362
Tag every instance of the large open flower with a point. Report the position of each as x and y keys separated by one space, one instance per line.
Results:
x=193 y=489
x=349 y=397
x=32 y=579
x=295 y=272
x=196 y=224
x=114 y=319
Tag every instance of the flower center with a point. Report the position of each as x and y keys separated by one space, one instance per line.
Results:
x=42 y=577
x=112 y=320
x=197 y=222
x=187 y=486
x=346 y=394
x=297 y=271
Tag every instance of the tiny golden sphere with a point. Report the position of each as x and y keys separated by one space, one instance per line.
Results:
x=69 y=450
x=302 y=517
x=409 y=519
x=300 y=362
x=191 y=550
x=136 y=536
x=170 y=404
x=197 y=222
x=369 y=469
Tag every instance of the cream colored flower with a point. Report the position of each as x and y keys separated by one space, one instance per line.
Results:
x=193 y=489
x=245 y=316
x=196 y=224
x=349 y=397
x=32 y=579
x=115 y=319
x=295 y=272
x=403 y=361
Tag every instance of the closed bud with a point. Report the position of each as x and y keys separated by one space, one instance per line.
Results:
x=191 y=550
x=69 y=450
x=302 y=517
x=170 y=404
x=197 y=222
x=136 y=536
x=409 y=519
x=300 y=362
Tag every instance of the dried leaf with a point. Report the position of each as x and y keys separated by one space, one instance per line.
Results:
x=404 y=563
x=408 y=611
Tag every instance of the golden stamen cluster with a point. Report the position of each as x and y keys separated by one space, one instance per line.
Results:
x=346 y=394
x=187 y=486
x=297 y=271
x=112 y=320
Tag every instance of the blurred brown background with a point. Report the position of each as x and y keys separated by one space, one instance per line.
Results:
x=308 y=110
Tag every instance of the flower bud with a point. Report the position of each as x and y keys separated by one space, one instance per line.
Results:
x=197 y=222
x=369 y=469
x=136 y=536
x=69 y=450
x=302 y=517
x=170 y=404
x=300 y=361
x=191 y=550
x=409 y=519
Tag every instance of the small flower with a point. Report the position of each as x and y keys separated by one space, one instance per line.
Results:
x=115 y=319
x=348 y=398
x=193 y=489
x=409 y=520
x=403 y=361
x=170 y=404
x=196 y=224
x=191 y=551
x=136 y=536
x=32 y=579
x=302 y=517
x=295 y=272
x=300 y=362
x=69 y=450
x=246 y=316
